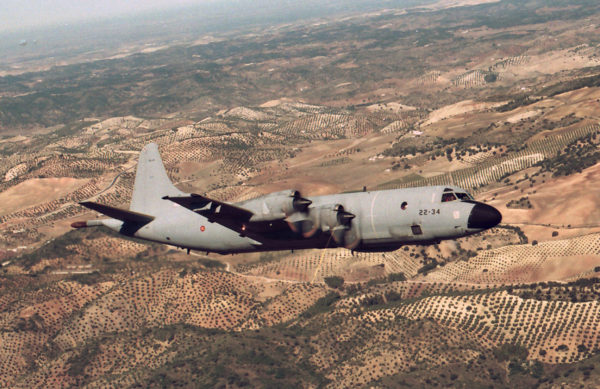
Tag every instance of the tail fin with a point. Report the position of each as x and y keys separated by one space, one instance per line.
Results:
x=151 y=183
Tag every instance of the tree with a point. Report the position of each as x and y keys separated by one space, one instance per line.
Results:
x=334 y=282
x=510 y=351
x=490 y=77
x=396 y=277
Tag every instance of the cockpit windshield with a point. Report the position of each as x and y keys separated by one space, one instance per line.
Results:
x=452 y=196
x=448 y=197
x=464 y=196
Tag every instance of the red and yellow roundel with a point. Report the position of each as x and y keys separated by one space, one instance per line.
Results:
x=202 y=228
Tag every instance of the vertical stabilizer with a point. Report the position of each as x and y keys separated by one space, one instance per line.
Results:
x=151 y=183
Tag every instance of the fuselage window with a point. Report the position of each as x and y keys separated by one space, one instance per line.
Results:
x=404 y=205
x=448 y=197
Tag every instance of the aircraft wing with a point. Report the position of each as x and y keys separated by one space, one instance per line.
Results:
x=214 y=210
x=118 y=213
x=231 y=216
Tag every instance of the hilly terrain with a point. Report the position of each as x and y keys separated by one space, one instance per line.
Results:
x=501 y=98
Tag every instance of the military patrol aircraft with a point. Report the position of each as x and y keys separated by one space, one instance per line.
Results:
x=373 y=221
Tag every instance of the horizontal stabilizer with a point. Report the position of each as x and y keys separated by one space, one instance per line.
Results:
x=212 y=209
x=119 y=214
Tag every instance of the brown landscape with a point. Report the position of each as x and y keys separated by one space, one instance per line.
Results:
x=501 y=98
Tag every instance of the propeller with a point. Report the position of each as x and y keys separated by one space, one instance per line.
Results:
x=345 y=232
x=340 y=224
x=334 y=219
x=302 y=223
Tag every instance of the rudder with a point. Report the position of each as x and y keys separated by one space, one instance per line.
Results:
x=151 y=183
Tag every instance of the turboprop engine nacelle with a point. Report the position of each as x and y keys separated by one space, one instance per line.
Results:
x=277 y=205
x=341 y=225
x=333 y=219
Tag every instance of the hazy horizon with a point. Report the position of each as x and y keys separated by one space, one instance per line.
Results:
x=105 y=29
x=35 y=14
x=22 y=16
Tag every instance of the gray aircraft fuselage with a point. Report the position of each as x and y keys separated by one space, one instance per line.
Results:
x=361 y=221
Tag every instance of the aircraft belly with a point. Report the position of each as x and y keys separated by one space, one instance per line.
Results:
x=184 y=228
x=402 y=232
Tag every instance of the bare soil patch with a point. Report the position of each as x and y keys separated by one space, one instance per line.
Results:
x=37 y=191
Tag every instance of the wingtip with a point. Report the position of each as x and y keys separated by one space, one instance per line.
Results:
x=86 y=203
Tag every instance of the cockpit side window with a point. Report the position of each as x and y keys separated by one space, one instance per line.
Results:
x=448 y=197
x=463 y=196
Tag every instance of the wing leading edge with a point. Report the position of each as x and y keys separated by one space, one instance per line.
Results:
x=214 y=210
x=118 y=213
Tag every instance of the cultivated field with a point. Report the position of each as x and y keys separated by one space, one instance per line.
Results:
x=498 y=97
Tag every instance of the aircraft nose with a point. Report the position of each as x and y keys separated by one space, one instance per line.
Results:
x=483 y=216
